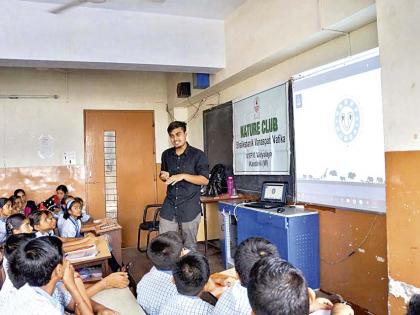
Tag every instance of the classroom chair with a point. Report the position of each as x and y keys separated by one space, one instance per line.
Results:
x=149 y=226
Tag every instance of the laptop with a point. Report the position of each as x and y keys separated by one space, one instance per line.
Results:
x=273 y=195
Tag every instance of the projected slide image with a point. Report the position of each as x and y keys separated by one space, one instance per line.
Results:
x=339 y=137
x=343 y=129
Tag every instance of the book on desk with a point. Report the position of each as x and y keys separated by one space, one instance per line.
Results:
x=81 y=253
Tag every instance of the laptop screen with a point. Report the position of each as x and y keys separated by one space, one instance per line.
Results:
x=273 y=192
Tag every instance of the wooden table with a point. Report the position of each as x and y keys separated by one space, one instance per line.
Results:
x=115 y=238
x=223 y=197
x=101 y=257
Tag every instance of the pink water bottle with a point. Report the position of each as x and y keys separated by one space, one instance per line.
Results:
x=230 y=185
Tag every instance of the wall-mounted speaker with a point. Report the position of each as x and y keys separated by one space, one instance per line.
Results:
x=183 y=89
x=201 y=80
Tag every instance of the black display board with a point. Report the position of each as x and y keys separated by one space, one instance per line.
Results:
x=218 y=147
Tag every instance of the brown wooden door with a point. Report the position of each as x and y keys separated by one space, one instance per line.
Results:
x=131 y=170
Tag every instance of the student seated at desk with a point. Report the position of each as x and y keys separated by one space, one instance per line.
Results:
x=60 y=213
x=164 y=251
x=35 y=268
x=277 y=287
x=17 y=223
x=114 y=280
x=85 y=216
x=190 y=274
x=56 y=202
x=72 y=225
x=61 y=293
x=12 y=243
x=8 y=289
x=27 y=205
x=17 y=204
x=43 y=223
x=234 y=301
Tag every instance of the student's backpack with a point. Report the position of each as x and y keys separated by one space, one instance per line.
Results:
x=217 y=182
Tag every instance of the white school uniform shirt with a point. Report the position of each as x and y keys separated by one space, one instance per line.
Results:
x=39 y=234
x=321 y=312
x=61 y=295
x=234 y=301
x=85 y=216
x=70 y=228
x=8 y=290
x=154 y=290
x=32 y=301
x=182 y=304
x=60 y=220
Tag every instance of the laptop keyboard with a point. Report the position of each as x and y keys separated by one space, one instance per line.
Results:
x=263 y=205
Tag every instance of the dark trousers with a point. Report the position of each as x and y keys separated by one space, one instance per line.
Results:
x=189 y=230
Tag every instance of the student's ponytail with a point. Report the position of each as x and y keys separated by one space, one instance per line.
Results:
x=14 y=222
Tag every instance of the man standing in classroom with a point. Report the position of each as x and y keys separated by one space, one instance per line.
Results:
x=184 y=169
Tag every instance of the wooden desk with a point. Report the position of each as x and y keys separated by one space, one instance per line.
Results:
x=223 y=197
x=115 y=240
x=101 y=257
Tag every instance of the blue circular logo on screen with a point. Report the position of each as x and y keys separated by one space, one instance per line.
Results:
x=347 y=120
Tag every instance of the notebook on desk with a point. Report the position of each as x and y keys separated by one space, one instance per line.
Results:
x=273 y=195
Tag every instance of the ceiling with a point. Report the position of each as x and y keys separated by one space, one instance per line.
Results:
x=209 y=9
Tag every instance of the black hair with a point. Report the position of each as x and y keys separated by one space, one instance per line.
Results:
x=35 y=217
x=276 y=287
x=191 y=274
x=177 y=124
x=79 y=200
x=13 y=242
x=414 y=305
x=63 y=188
x=31 y=204
x=165 y=249
x=19 y=190
x=248 y=253
x=64 y=200
x=66 y=213
x=13 y=199
x=35 y=261
x=3 y=201
x=13 y=222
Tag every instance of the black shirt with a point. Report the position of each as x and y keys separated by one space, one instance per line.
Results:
x=182 y=200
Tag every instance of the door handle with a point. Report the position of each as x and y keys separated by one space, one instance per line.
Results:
x=93 y=183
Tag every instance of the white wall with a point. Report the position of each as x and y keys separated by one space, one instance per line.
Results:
x=261 y=34
x=24 y=121
x=399 y=34
x=361 y=39
x=107 y=39
x=260 y=30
